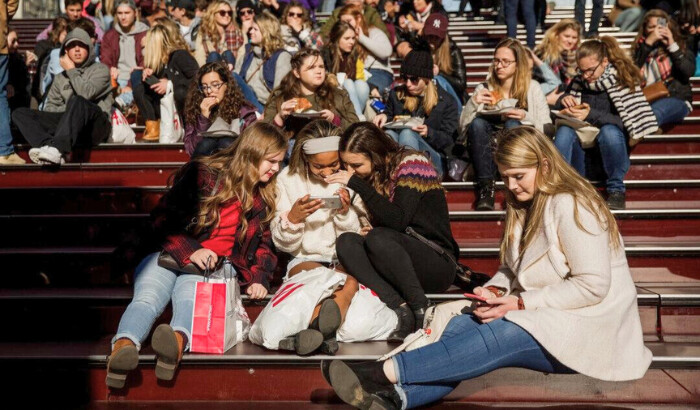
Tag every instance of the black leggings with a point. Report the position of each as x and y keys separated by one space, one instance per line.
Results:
x=396 y=266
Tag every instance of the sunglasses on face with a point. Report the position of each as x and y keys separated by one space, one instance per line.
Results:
x=297 y=15
x=246 y=12
x=224 y=13
x=410 y=78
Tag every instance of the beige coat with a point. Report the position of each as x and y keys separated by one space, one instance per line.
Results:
x=580 y=300
x=8 y=8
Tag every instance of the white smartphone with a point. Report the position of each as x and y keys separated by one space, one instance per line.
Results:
x=330 y=202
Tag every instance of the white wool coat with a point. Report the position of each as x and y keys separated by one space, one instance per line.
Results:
x=314 y=238
x=580 y=300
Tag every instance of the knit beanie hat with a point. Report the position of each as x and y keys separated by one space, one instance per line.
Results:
x=418 y=62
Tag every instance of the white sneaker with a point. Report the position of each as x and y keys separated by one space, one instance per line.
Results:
x=34 y=155
x=51 y=155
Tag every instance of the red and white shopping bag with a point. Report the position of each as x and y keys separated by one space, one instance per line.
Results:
x=219 y=321
x=368 y=318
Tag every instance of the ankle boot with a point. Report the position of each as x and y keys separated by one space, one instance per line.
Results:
x=485 y=198
x=152 y=131
x=329 y=346
x=169 y=346
x=419 y=315
x=124 y=358
x=303 y=343
x=405 y=326
x=363 y=385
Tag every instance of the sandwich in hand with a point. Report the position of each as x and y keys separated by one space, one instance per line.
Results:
x=302 y=105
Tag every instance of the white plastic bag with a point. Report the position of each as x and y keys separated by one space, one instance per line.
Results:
x=290 y=309
x=368 y=318
x=171 y=129
x=121 y=130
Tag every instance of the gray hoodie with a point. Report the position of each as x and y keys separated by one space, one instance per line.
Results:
x=127 y=47
x=91 y=80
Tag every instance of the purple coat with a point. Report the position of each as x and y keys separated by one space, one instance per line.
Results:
x=193 y=132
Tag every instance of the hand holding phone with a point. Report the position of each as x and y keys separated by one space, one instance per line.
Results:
x=328 y=202
x=474 y=297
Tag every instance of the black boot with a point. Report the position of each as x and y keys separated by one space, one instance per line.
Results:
x=363 y=385
x=303 y=343
x=405 y=326
x=485 y=199
x=419 y=315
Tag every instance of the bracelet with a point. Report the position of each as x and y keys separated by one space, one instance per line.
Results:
x=521 y=303
x=496 y=291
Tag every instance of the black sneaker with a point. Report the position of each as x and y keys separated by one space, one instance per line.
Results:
x=485 y=196
x=616 y=200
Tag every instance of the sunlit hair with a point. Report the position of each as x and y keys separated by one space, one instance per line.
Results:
x=357 y=12
x=607 y=47
x=230 y=106
x=527 y=147
x=305 y=19
x=384 y=153
x=208 y=29
x=522 y=76
x=162 y=39
x=59 y=25
x=549 y=50
x=299 y=161
x=237 y=176
x=358 y=52
x=271 y=33
x=290 y=86
x=442 y=56
x=671 y=23
x=410 y=102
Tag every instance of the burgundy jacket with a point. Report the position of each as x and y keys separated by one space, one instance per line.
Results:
x=109 y=51
x=254 y=258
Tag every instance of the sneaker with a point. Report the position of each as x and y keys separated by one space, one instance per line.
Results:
x=616 y=200
x=11 y=159
x=50 y=155
x=34 y=156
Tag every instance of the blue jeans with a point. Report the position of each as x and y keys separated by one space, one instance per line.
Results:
x=6 y=147
x=409 y=138
x=511 y=14
x=248 y=93
x=596 y=15
x=127 y=97
x=380 y=79
x=480 y=145
x=154 y=287
x=629 y=19
x=358 y=91
x=467 y=349
x=670 y=110
x=611 y=142
x=227 y=56
x=442 y=82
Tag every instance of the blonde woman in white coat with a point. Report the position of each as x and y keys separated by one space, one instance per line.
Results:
x=563 y=300
x=307 y=231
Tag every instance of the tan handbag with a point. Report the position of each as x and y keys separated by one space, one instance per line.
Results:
x=656 y=91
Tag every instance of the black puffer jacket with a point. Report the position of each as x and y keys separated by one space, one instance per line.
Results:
x=682 y=68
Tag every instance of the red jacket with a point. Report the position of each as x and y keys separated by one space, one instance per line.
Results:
x=254 y=258
x=109 y=51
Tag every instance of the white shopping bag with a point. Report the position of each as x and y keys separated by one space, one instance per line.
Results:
x=290 y=309
x=171 y=129
x=368 y=318
x=121 y=130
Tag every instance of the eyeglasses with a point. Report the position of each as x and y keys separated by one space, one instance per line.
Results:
x=205 y=88
x=410 y=78
x=297 y=15
x=505 y=63
x=589 y=71
x=245 y=12
x=224 y=13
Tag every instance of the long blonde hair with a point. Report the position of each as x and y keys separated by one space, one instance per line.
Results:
x=549 y=50
x=410 y=102
x=209 y=29
x=442 y=56
x=161 y=40
x=521 y=82
x=526 y=147
x=607 y=47
x=237 y=176
x=271 y=33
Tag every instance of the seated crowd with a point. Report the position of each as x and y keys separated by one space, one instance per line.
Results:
x=278 y=112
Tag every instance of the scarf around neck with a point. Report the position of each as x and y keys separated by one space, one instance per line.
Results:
x=657 y=66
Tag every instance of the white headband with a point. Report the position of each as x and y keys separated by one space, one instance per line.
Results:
x=318 y=145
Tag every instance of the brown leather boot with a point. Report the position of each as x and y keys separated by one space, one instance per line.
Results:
x=169 y=346
x=152 y=131
x=124 y=358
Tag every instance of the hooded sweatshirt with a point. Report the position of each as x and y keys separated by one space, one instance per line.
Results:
x=123 y=50
x=90 y=80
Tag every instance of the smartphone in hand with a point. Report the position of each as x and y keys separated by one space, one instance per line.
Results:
x=474 y=297
x=661 y=22
x=329 y=202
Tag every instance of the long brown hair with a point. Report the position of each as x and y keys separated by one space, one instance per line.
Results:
x=357 y=12
x=358 y=52
x=237 y=176
x=527 y=147
x=208 y=28
x=305 y=18
x=672 y=25
x=384 y=153
x=549 y=50
x=230 y=106
x=521 y=82
x=607 y=47
x=298 y=161
x=290 y=86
